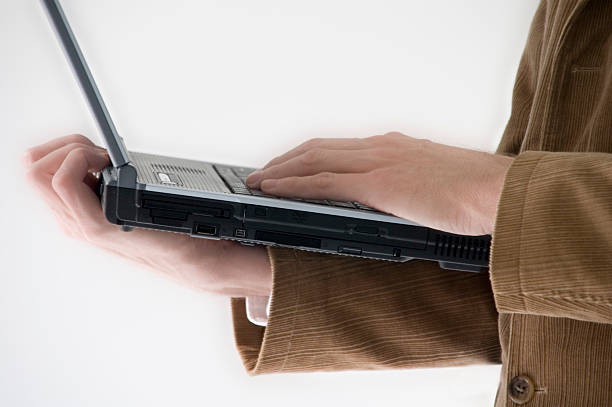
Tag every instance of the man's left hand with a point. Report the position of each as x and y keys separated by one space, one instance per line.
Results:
x=447 y=188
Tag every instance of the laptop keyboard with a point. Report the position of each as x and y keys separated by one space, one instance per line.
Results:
x=235 y=178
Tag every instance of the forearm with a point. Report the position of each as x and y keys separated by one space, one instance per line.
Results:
x=336 y=313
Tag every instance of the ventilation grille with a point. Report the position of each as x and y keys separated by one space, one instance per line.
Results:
x=177 y=169
x=462 y=247
x=190 y=174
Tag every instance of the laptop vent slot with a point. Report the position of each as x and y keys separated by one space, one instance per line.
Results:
x=461 y=247
x=177 y=169
x=186 y=174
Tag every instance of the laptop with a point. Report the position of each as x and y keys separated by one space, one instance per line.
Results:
x=211 y=200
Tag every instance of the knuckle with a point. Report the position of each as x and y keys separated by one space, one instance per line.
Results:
x=79 y=139
x=376 y=176
x=381 y=176
x=423 y=144
x=394 y=134
x=79 y=151
x=79 y=154
x=79 y=148
x=27 y=157
x=387 y=138
x=60 y=181
x=312 y=157
x=312 y=143
x=324 y=180
x=73 y=146
x=291 y=183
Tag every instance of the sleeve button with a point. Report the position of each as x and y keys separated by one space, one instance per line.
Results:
x=521 y=389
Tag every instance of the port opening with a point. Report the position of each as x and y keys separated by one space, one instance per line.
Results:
x=291 y=239
x=205 y=230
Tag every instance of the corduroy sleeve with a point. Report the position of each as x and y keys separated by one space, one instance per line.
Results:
x=552 y=246
x=332 y=312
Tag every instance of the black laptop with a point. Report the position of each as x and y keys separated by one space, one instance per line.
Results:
x=212 y=201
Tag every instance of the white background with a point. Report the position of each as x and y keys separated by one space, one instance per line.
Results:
x=233 y=81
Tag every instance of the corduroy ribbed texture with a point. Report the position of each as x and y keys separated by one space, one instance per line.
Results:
x=332 y=313
x=559 y=230
x=551 y=263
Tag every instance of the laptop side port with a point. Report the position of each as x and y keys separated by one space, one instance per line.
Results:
x=205 y=230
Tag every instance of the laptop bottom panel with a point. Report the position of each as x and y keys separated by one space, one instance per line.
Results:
x=257 y=224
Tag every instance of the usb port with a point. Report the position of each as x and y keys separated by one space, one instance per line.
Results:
x=206 y=230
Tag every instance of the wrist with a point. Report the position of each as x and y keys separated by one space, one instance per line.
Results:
x=251 y=271
x=494 y=187
x=262 y=272
x=224 y=267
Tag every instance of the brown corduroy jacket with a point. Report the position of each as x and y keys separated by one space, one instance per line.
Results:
x=545 y=309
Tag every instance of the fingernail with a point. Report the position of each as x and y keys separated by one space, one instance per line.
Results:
x=269 y=183
x=254 y=178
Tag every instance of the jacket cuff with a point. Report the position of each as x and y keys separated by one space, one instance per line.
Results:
x=551 y=250
x=270 y=355
x=505 y=258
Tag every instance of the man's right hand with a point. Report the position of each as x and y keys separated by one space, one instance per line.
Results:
x=62 y=172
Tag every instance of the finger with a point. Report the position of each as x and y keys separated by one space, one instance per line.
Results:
x=325 y=143
x=61 y=214
x=34 y=154
x=40 y=175
x=325 y=185
x=319 y=160
x=52 y=161
x=54 y=203
x=78 y=196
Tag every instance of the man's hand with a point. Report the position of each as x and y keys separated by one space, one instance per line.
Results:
x=62 y=172
x=446 y=188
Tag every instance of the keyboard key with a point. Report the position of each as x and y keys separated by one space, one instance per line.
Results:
x=364 y=207
x=242 y=172
x=342 y=204
x=316 y=201
x=233 y=182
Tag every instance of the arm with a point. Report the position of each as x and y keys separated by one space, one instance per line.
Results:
x=552 y=248
x=553 y=233
x=336 y=313
x=333 y=313
x=365 y=314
